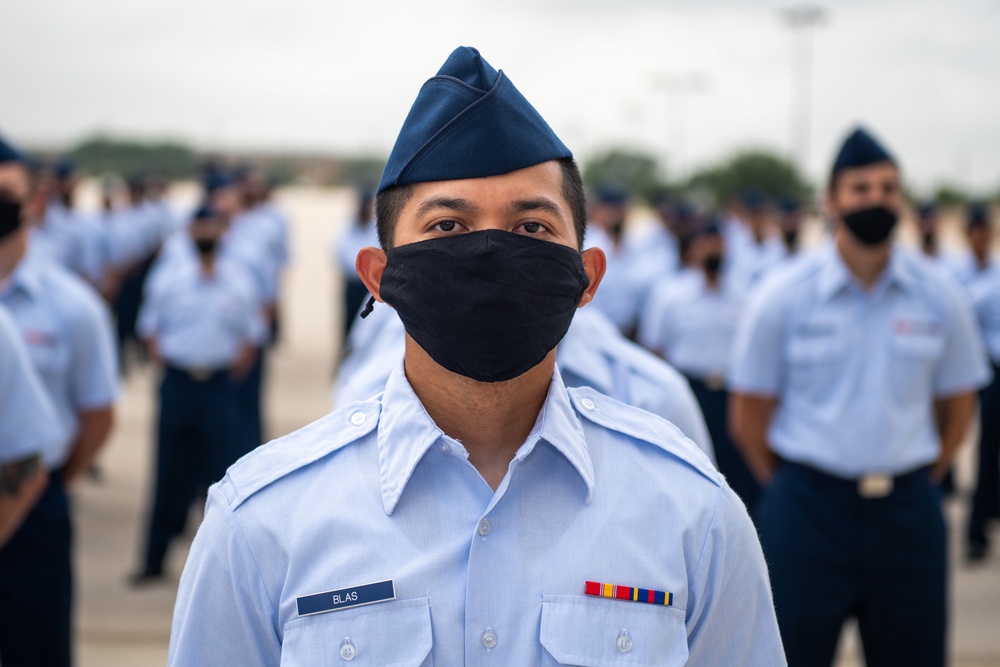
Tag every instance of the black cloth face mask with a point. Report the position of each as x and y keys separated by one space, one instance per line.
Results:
x=712 y=265
x=872 y=226
x=488 y=305
x=206 y=247
x=10 y=217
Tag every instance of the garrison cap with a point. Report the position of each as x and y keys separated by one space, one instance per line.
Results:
x=9 y=154
x=469 y=121
x=978 y=215
x=860 y=149
x=65 y=168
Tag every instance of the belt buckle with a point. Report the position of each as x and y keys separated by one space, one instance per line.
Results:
x=716 y=382
x=875 y=486
x=200 y=374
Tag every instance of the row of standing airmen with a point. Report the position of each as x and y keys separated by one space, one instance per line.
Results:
x=204 y=300
x=714 y=295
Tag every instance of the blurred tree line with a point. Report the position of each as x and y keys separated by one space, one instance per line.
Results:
x=635 y=171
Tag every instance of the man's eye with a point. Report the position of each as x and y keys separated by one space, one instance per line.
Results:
x=446 y=226
x=861 y=188
x=532 y=227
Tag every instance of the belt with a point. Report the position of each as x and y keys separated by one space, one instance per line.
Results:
x=713 y=382
x=870 y=486
x=198 y=373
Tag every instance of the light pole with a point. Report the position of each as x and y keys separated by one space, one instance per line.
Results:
x=799 y=20
x=679 y=85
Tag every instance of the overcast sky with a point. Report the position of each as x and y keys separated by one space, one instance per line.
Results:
x=340 y=76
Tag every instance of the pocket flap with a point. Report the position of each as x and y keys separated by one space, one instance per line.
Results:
x=578 y=630
x=387 y=634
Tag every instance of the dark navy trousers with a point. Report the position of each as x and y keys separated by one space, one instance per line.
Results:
x=197 y=435
x=986 y=498
x=36 y=585
x=715 y=406
x=833 y=554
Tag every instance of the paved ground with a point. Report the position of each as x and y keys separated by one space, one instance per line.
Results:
x=118 y=627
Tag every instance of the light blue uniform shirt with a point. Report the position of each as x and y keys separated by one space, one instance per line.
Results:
x=67 y=330
x=592 y=354
x=200 y=321
x=986 y=304
x=28 y=423
x=598 y=491
x=691 y=325
x=855 y=372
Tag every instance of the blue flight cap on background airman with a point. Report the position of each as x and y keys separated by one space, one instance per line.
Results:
x=8 y=153
x=979 y=215
x=65 y=168
x=926 y=209
x=860 y=149
x=789 y=204
x=217 y=179
x=612 y=195
x=754 y=199
x=469 y=121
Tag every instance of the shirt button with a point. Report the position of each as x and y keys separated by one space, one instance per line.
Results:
x=347 y=650
x=587 y=404
x=624 y=642
x=484 y=528
x=444 y=448
x=358 y=418
x=489 y=638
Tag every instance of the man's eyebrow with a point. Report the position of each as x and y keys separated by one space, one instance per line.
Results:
x=535 y=204
x=453 y=203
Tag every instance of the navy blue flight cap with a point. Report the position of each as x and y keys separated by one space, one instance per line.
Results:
x=612 y=195
x=789 y=204
x=979 y=215
x=860 y=149
x=754 y=199
x=926 y=209
x=469 y=121
x=65 y=168
x=9 y=154
x=217 y=179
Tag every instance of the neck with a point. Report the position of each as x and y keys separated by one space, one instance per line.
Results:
x=491 y=419
x=712 y=279
x=207 y=265
x=866 y=263
x=982 y=256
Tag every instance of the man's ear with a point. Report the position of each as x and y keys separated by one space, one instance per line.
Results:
x=370 y=264
x=594 y=263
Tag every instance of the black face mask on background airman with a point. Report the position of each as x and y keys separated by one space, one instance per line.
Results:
x=10 y=217
x=488 y=305
x=206 y=247
x=872 y=226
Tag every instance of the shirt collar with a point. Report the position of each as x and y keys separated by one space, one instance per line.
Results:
x=27 y=277
x=406 y=432
x=834 y=275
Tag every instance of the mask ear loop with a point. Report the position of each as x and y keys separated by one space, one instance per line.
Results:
x=369 y=307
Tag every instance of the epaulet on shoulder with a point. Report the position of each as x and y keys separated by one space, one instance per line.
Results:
x=641 y=361
x=278 y=458
x=641 y=425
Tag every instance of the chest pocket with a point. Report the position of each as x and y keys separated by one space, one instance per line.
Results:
x=815 y=364
x=914 y=360
x=387 y=634
x=49 y=355
x=577 y=630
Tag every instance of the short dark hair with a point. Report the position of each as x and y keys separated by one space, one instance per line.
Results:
x=390 y=202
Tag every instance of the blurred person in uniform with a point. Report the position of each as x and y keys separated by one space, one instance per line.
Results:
x=985 y=292
x=839 y=363
x=593 y=353
x=977 y=264
x=761 y=249
x=27 y=418
x=619 y=300
x=928 y=220
x=791 y=215
x=470 y=504
x=359 y=233
x=201 y=321
x=67 y=331
x=264 y=224
x=691 y=322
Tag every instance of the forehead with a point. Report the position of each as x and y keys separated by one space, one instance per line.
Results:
x=540 y=180
x=879 y=171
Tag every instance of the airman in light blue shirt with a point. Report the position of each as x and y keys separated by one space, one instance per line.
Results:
x=28 y=423
x=477 y=511
x=67 y=330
